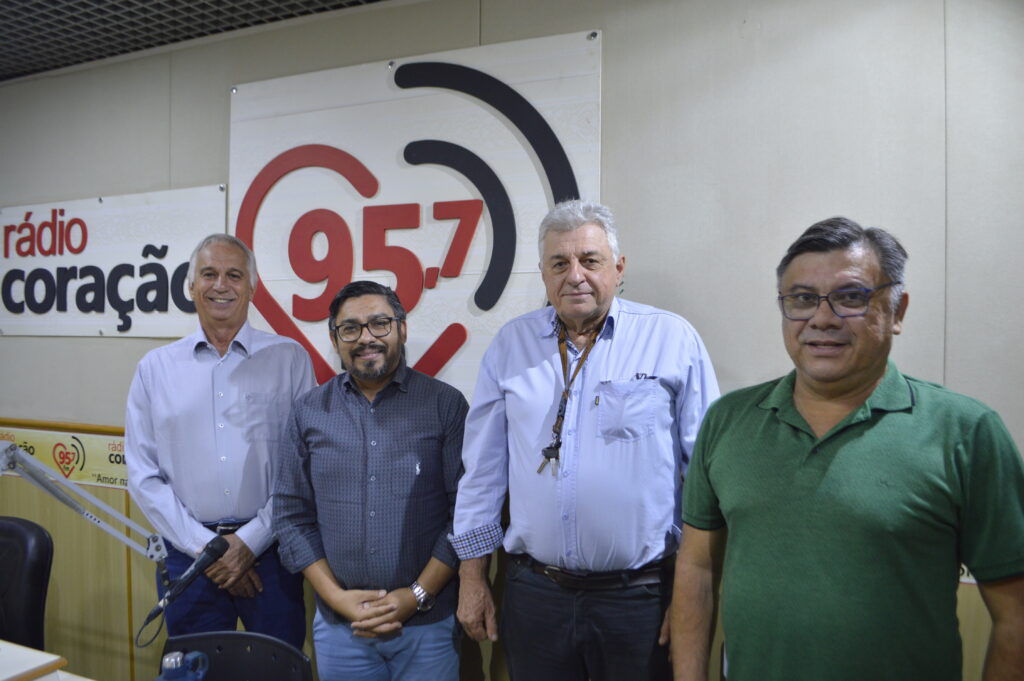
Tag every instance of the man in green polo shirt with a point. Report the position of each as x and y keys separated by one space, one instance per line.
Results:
x=837 y=503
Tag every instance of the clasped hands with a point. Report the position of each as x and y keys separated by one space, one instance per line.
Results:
x=235 y=571
x=374 y=613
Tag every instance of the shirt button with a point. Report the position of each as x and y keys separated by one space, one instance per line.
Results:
x=565 y=473
x=373 y=443
x=227 y=492
x=373 y=478
x=565 y=516
x=373 y=550
x=220 y=394
x=373 y=514
x=223 y=458
x=372 y=410
x=220 y=425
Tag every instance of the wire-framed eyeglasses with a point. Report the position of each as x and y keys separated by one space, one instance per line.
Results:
x=351 y=331
x=845 y=302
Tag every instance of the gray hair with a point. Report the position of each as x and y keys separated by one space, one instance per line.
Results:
x=571 y=215
x=839 y=234
x=221 y=238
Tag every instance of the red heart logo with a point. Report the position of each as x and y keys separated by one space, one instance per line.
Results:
x=364 y=182
x=64 y=458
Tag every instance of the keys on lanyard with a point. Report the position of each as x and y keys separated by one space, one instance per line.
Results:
x=550 y=456
x=550 y=453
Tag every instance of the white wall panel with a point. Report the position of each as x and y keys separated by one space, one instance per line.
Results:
x=730 y=127
x=986 y=204
x=85 y=133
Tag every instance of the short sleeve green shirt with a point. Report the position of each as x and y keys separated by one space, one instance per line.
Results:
x=843 y=552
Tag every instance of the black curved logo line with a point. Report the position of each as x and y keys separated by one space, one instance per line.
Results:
x=510 y=104
x=503 y=221
x=80 y=448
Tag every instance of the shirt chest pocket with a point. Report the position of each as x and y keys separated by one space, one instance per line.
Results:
x=415 y=475
x=262 y=415
x=626 y=409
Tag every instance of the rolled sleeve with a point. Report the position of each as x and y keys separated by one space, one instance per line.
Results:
x=481 y=541
x=293 y=505
x=476 y=529
x=451 y=455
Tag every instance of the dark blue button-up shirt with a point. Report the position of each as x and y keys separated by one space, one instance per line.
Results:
x=371 y=486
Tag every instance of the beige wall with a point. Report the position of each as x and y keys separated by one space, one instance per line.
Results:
x=728 y=127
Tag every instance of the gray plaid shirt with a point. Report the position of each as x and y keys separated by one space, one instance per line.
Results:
x=371 y=487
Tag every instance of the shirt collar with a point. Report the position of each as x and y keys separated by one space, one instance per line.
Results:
x=893 y=393
x=243 y=340
x=549 y=325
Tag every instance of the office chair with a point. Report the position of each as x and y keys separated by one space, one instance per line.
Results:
x=245 y=656
x=26 y=555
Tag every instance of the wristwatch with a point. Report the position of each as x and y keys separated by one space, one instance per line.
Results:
x=424 y=600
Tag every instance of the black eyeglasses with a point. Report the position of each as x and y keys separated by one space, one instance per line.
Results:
x=351 y=331
x=845 y=302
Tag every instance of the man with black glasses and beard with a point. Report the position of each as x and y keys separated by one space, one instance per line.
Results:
x=364 y=497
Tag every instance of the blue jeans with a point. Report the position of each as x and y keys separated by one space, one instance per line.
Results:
x=426 y=652
x=551 y=633
x=278 y=611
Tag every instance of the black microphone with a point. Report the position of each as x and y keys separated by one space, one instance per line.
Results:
x=211 y=553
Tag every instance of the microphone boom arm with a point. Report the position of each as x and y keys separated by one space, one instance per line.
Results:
x=14 y=458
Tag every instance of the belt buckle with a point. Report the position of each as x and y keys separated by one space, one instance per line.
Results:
x=564 y=578
x=226 y=528
x=553 y=572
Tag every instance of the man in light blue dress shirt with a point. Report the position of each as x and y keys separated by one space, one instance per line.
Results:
x=204 y=416
x=584 y=415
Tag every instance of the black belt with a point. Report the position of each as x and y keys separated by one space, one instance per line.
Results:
x=655 y=572
x=224 y=528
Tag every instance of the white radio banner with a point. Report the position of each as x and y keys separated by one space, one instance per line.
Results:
x=429 y=174
x=111 y=266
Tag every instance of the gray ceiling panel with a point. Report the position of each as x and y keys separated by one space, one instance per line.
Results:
x=41 y=35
